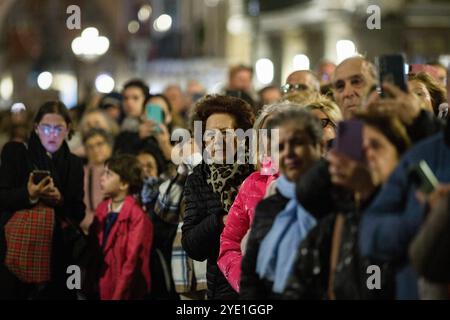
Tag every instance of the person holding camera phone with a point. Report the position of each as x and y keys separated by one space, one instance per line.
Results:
x=140 y=127
x=159 y=120
x=328 y=264
x=400 y=98
x=42 y=175
x=396 y=214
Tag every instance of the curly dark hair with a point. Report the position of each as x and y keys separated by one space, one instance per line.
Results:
x=240 y=110
x=129 y=171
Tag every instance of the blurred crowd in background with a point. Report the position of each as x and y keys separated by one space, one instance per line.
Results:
x=354 y=203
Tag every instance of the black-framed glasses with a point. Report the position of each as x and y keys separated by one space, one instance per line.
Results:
x=294 y=87
x=325 y=122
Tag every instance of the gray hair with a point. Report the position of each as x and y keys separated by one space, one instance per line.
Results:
x=302 y=119
x=269 y=109
x=266 y=111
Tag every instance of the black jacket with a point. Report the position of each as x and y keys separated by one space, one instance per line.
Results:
x=202 y=227
x=14 y=172
x=310 y=279
x=127 y=142
x=252 y=287
x=426 y=124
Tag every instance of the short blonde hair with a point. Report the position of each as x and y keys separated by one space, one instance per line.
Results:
x=113 y=127
x=330 y=108
x=265 y=112
x=301 y=97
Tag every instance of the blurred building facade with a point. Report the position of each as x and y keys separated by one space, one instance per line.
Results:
x=202 y=39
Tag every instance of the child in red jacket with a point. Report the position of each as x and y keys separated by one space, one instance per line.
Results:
x=124 y=233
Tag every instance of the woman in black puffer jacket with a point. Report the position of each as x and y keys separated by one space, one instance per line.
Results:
x=210 y=190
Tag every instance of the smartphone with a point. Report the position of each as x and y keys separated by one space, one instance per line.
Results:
x=349 y=139
x=422 y=177
x=39 y=175
x=155 y=113
x=391 y=68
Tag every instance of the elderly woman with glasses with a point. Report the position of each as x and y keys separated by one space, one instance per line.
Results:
x=60 y=191
x=329 y=115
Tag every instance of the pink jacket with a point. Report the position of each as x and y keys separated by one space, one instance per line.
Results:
x=239 y=220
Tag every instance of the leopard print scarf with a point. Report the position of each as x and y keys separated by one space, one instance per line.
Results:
x=225 y=180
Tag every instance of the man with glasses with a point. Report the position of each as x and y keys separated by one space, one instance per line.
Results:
x=300 y=81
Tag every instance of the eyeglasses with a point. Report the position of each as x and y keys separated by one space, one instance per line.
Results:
x=49 y=130
x=294 y=87
x=325 y=122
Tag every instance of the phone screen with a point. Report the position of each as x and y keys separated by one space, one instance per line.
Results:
x=391 y=68
x=39 y=175
x=422 y=176
x=155 y=113
x=349 y=139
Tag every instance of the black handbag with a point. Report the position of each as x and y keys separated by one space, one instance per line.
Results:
x=74 y=238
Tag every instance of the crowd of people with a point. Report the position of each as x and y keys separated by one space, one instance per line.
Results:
x=97 y=187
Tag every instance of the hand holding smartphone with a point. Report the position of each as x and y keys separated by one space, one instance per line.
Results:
x=155 y=113
x=392 y=69
x=423 y=178
x=39 y=175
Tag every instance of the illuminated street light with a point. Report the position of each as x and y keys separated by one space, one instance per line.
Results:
x=104 y=83
x=6 y=88
x=345 y=49
x=144 y=13
x=133 y=27
x=237 y=24
x=90 y=46
x=264 y=71
x=45 y=80
x=301 y=62
x=163 y=23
